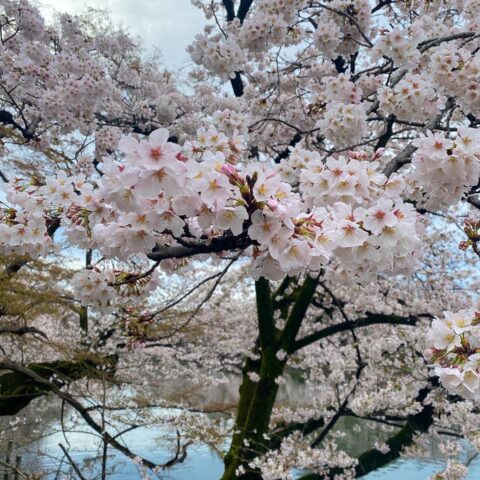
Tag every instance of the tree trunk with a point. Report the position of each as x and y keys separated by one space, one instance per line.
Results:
x=258 y=398
x=253 y=415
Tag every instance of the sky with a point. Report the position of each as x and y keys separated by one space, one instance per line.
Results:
x=169 y=25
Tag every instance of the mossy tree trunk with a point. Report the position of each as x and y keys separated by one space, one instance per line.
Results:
x=257 y=398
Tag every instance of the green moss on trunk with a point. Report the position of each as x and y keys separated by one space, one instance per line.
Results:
x=253 y=416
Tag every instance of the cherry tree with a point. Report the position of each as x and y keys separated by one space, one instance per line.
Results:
x=323 y=191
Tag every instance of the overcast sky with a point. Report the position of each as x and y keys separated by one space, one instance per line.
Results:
x=167 y=24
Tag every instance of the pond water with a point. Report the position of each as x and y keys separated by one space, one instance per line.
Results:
x=201 y=462
x=43 y=455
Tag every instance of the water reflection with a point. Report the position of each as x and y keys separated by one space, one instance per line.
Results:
x=38 y=444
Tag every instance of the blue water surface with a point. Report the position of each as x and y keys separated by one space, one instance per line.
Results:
x=201 y=463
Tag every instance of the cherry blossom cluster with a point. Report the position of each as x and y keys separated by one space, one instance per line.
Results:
x=280 y=465
x=339 y=88
x=104 y=289
x=329 y=38
x=456 y=71
x=344 y=124
x=70 y=86
x=453 y=350
x=397 y=45
x=162 y=194
x=271 y=25
x=230 y=121
x=94 y=287
x=381 y=233
x=259 y=31
x=220 y=55
x=338 y=35
x=226 y=53
x=81 y=92
x=453 y=471
x=26 y=16
x=445 y=169
x=23 y=233
x=412 y=99
x=106 y=138
x=384 y=228
x=355 y=179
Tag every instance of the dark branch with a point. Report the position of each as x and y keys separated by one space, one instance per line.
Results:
x=228 y=4
x=237 y=85
x=286 y=152
x=21 y=331
x=266 y=322
x=387 y=134
x=373 y=459
x=405 y=156
x=370 y=319
x=215 y=245
x=7 y=119
x=243 y=9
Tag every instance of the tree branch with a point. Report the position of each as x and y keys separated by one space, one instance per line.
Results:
x=214 y=245
x=374 y=459
x=297 y=314
x=266 y=323
x=17 y=389
x=370 y=319
x=405 y=156
x=228 y=4
x=74 y=403
x=21 y=331
x=243 y=9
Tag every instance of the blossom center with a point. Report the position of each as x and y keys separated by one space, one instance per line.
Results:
x=156 y=153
